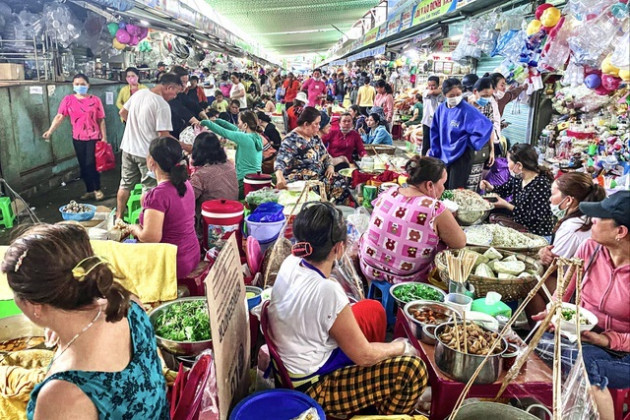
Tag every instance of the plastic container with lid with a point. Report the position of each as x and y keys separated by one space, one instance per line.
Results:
x=221 y=218
x=492 y=306
x=255 y=182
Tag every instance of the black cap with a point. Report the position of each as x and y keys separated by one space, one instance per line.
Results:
x=616 y=207
x=161 y=64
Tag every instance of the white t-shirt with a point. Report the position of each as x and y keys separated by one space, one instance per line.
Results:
x=242 y=99
x=303 y=308
x=567 y=240
x=149 y=114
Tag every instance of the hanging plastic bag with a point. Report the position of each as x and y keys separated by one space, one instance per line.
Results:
x=267 y=212
x=104 y=155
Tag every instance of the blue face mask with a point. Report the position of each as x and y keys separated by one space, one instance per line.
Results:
x=81 y=90
x=483 y=101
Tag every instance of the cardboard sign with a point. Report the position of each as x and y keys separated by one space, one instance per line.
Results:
x=229 y=323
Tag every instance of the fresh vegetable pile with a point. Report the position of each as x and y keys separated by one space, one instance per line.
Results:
x=491 y=264
x=184 y=321
x=501 y=237
x=265 y=195
x=416 y=291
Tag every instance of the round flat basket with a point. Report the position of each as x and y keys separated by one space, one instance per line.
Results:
x=509 y=289
x=528 y=250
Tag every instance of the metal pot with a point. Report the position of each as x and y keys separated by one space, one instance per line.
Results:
x=495 y=411
x=422 y=330
x=179 y=348
x=461 y=366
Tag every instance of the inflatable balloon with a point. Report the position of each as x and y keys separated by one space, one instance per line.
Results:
x=121 y=25
x=132 y=29
x=610 y=83
x=123 y=36
x=533 y=27
x=112 y=27
x=143 y=32
x=550 y=17
x=619 y=11
x=624 y=75
x=134 y=40
x=608 y=67
x=116 y=44
x=540 y=9
x=593 y=81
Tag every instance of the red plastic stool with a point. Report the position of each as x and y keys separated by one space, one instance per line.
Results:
x=620 y=397
x=195 y=280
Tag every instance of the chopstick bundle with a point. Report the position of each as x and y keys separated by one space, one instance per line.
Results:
x=460 y=266
x=465 y=338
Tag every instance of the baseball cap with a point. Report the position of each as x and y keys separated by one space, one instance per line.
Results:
x=616 y=207
x=161 y=64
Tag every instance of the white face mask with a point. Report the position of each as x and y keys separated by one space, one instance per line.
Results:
x=499 y=94
x=453 y=102
x=557 y=211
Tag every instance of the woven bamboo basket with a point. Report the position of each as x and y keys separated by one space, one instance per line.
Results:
x=509 y=289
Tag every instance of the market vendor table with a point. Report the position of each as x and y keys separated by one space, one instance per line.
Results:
x=533 y=381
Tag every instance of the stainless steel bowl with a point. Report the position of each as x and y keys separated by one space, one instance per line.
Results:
x=401 y=303
x=420 y=329
x=18 y=326
x=179 y=348
x=461 y=366
x=472 y=217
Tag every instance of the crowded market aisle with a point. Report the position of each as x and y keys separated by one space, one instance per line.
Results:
x=403 y=227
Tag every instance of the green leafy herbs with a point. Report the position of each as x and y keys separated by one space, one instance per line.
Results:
x=408 y=292
x=184 y=321
x=568 y=314
x=447 y=195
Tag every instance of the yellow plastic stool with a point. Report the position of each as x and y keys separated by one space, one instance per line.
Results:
x=6 y=213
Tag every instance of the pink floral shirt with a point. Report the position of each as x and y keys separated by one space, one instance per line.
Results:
x=85 y=115
x=401 y=242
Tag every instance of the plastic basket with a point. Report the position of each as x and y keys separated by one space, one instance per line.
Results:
x=264 y=231
x=79 y=217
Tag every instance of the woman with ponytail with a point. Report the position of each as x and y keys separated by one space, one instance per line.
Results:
x=168 y=214
x=334 y=351
x=105 y=343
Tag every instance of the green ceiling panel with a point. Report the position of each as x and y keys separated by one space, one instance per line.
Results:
x=289 y=27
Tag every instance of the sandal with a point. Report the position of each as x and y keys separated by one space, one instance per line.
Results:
x=87 y=196
x=98 y=195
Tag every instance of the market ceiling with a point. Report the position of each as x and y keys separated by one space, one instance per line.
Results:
x=292 y=27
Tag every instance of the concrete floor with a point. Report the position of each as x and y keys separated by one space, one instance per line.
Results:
x=47 y=204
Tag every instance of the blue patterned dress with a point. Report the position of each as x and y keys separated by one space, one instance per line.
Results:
x=137 y=392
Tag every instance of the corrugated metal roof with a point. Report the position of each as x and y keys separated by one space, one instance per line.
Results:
x=294 y=26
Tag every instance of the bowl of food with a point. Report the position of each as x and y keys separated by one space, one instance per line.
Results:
x=253 y=295
x=182 y=326
x=459 y=361
x=77 y=212
x=567 y=318
x=472 y=208
x=17 y=332
x=404 y=293
x=422 y=313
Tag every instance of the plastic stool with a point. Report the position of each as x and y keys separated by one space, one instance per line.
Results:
x=133 y=205
x=6 y=213
x=137 y=189
x=385 y=298
x=134 y=218
x=620 y=396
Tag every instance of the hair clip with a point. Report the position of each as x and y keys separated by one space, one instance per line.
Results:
x=20 y=260
x=413 y=164
x=302 y=249
x=79 y=273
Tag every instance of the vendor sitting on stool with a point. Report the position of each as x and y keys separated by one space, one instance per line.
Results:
x=378 y=132
x=409 y=226
x=333 y=351
x=343 y=144
x=530 y=187
x=169 y=209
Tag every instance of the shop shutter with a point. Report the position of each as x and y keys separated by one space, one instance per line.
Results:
x=518 y=115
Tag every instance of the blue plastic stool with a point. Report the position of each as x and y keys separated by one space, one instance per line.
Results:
x=385 y=298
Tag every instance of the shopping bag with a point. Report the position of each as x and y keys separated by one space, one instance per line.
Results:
x=104 y=155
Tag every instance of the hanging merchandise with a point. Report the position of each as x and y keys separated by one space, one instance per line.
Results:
x=61 y=24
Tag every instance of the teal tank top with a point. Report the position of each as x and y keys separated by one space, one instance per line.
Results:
x=137 y=392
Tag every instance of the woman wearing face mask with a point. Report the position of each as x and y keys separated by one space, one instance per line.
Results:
x=458 y=133
x=88 y=127
x=530 y=187
x=132 y=76
x=334 y=351
x=378 y=132
x=249 y=143
x=502 y=95
x=168 y=214
x=409 y=226
x=573 y=227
